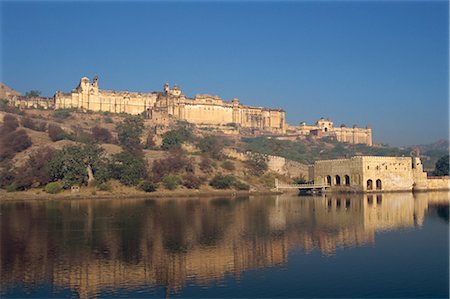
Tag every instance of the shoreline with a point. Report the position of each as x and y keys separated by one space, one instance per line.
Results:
x=27 y=195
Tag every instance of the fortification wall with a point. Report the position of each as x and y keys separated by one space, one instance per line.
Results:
x=438 y=183
x=209 y=114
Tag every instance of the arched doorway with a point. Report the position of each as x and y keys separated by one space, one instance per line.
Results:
x=369 y=185
x=329 y=180
x=347 y=180
x=338 y=180
x=378 y=184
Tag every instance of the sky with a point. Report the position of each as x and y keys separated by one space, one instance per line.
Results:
x=378 y=63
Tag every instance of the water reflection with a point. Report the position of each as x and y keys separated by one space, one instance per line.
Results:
x=92 y=246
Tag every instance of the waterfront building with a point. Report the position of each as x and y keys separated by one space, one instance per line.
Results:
x=376 y=174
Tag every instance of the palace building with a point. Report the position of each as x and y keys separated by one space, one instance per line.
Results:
x=202 y=110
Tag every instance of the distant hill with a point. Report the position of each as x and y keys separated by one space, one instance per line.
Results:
x=440 y=145
x=6 y=92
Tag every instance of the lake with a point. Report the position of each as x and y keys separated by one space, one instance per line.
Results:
x=385 y=245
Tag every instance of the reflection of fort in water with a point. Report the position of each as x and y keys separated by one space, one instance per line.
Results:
x=99 y=246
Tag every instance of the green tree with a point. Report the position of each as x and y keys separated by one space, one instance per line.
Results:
x=33 y=94
x=441 y=167
x=128 y=168
x=129 y=133
x=78 y=165
x=175 y=138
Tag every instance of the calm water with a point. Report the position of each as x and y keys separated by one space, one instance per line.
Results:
x=392 y=245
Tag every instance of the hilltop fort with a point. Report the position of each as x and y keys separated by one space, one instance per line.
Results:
x=208 y=111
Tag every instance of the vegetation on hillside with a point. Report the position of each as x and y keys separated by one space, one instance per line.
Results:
x=83 y=149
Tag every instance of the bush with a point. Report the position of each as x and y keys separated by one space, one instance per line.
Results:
x=241 y=186
x=147 y=186
x=12 y=143
x=62 y=113
x=174 y=163
x=228 y=165
x=171 y=182
x=35 y=171
x=104 y=187
x=205 y=164
x=175 y=138
x=11 y=188
x=441 y=167
x=10 y=123
x=191 y=181
x=257 y=164
x=101 y=135
x=222 y=182
x=56 y=133
x=108 y=119
x=53 y=188
x=211 y=146
x=29 y=123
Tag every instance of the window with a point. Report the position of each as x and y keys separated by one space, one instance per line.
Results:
x=369 y=185
x=338 y=180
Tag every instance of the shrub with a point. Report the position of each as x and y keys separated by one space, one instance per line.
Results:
x=62 y=113
x=34 y=171
x=205 y=164
x=147 y=186
x=441 y=167
x=222 y=182
x=29 y=123
x=191 y=181
x=55 y=132
x=104 y=187
x=174 y=163
x=175 y=138
x=257 y=164
x=12 y=143
x=211 y=146
x=101 y=135
x=11 y=188
x=171 y=182
x=228 y=165
x=53 y=188
x=238 y=185
x=108 y=119
x=10 y=123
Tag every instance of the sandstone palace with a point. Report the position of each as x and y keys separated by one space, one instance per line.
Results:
x=202 y=110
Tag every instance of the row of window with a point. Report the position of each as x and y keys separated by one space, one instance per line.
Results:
x=346 y=182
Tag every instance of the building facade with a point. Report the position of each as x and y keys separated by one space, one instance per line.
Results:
x=376 y=174
x=171 y=102
x=325 y=127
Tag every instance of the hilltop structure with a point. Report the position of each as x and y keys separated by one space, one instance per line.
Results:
x=202 y=110
x=377 y=174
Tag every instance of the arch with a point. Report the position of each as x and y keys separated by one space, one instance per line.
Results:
x=328 y=179
x=378 y=184
x=346 y=180
x=369 y=184
x=338 y=180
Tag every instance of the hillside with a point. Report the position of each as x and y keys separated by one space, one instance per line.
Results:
x=189 y=156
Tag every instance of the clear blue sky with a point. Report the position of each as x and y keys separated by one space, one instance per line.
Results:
x=380 y=63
